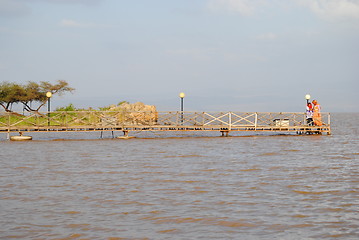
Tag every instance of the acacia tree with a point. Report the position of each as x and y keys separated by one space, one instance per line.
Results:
x=11 y=93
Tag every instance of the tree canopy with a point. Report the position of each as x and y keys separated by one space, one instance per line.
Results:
x=26 y=94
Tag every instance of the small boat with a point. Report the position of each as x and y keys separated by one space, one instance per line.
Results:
x=126 y=137
x=20 y=137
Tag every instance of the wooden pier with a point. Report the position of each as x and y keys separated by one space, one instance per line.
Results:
x=222 y=122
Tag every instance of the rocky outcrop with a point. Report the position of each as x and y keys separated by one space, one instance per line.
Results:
x=135 y=114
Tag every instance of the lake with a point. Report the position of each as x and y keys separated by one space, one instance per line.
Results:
x=178 y=186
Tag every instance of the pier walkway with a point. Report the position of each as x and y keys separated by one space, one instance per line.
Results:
x=223 y=122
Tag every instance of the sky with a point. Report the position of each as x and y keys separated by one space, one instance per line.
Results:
x=225 y=55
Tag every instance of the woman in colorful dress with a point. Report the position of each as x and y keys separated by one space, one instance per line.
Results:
x=317 y=117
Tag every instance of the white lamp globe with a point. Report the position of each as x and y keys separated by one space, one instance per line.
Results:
x=182 y=95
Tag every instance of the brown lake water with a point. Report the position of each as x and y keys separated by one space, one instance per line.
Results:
x=204 y=187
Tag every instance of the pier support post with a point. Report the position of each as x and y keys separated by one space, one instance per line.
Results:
x=224 y=133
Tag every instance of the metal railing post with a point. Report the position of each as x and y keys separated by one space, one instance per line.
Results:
x=177 y=118
x=230 y=121
x=8 y=128
x=255 y=121
x=203 y=120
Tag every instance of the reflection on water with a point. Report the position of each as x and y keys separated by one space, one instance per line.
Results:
x=260 y=187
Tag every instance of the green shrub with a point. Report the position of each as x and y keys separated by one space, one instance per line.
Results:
x=68 y=108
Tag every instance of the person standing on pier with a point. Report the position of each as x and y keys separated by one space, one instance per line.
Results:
x=309 y=114
x=317 y=117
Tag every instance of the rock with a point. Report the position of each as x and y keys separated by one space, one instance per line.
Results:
x=136 y=114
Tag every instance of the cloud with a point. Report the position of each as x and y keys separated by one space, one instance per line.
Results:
x=194 y=53
x=71 y=23
x=19 y=8
x=76 y=24
x=82 y=2
x=267 y=36
x=11 y=8
x=332 y=8
x=3 y=66
x=243 y=7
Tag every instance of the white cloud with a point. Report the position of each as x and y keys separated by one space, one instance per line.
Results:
x=70 y=23
x=243 y=7
x=76 y=24
x=3 y=66
x=19 y=8
x=195 y=53
x=267 y=36
x=11 y=8
x=333 y=8
x=83 y=2
x=323 y=8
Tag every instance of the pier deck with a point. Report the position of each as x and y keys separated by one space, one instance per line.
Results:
x=223 y=122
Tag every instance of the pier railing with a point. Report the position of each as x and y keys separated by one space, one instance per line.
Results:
x=160 y=121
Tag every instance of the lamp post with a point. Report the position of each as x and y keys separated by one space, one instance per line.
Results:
x=307 y=97
x=182 y=95
x=48 y=95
